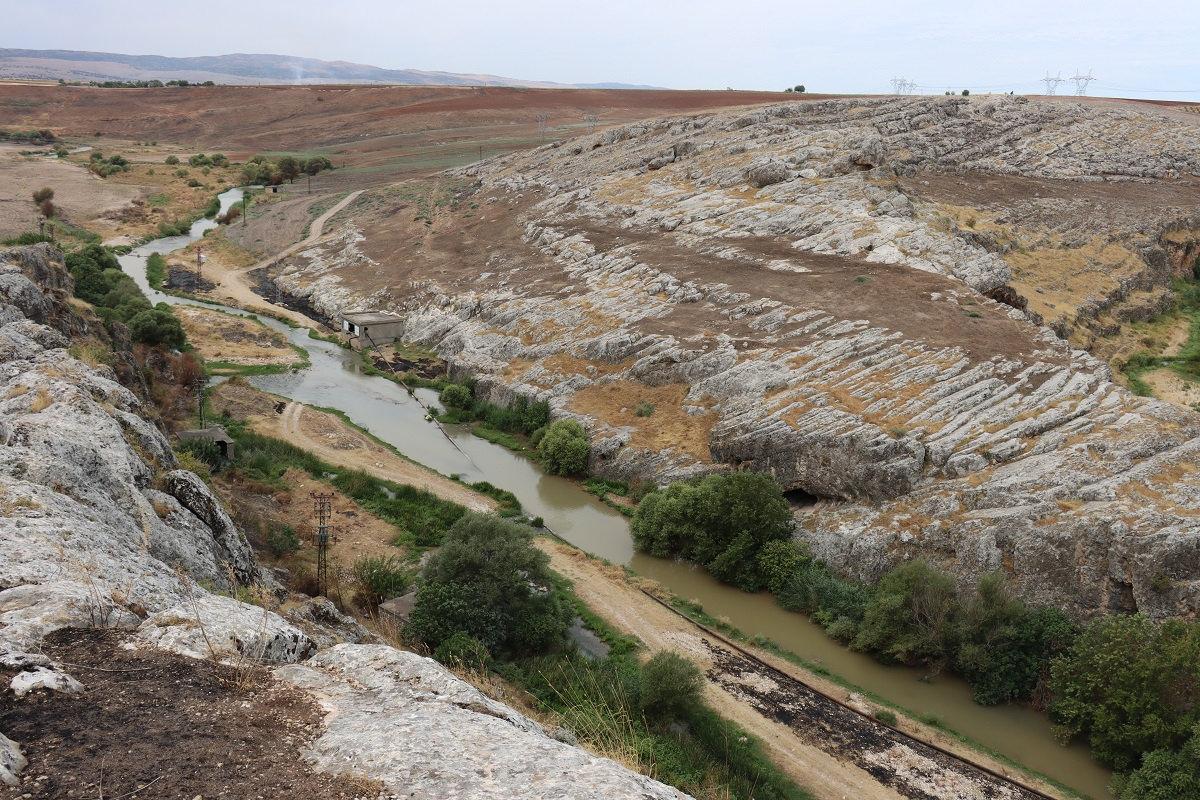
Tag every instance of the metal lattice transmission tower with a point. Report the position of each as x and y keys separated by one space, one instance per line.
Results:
x=1082 y=81
x=591 y=120
x=541 y=125
x=1052 y=83
x=323 y=510
x=903 y=86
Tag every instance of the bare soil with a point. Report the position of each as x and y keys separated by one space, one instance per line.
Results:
x=375 y=132
x=237 y=340
x=80 y=195
x=153 y=724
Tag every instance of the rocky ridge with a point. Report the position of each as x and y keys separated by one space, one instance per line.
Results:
x=101 y=529
x=796 y=289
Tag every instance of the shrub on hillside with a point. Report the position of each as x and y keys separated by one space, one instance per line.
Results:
x=671 y=686
x=462 y=651
x=488 y=581
x=282 y=540
x=910 y=618
x=157 y=326
x=377 y=579
x=172 y=160
x=563 y=448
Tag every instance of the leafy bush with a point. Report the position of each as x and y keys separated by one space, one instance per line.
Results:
x=378 y=578
x=463 y=652
x=282 y=540
x=643 y=409
x=27 y=238
x=910 y=618
x=172 y=160
x=157 y=326
x=1165 y=774
x=564 y=448
x=489 y=582
x=456 y=396
x=42 y=195
x=671 y=686
x=205 y=451
x=722 y=522
x=156 y=270
x=886 y=716
x=1130 y=686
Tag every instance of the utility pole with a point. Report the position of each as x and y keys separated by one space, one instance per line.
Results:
x=199 y=261
x=245 y=207
x=323 y=509
x=541 y=125
x=1082 y=81
x=198 y=387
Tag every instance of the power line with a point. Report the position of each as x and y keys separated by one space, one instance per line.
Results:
x=1082 y=81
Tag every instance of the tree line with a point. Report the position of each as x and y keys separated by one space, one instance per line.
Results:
x=1126 y=685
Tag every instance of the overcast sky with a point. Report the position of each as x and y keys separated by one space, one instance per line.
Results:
x=1148 y=48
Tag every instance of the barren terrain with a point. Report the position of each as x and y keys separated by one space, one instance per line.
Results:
x=879 y=301
x=234 y=340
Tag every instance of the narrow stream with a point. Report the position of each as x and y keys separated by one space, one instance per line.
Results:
x=335 y=380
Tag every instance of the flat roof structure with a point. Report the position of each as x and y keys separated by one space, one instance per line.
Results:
x=371 y=318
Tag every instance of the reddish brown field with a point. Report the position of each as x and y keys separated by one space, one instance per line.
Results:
x=380 y=132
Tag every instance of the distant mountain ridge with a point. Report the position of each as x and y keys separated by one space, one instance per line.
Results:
x=240 y=68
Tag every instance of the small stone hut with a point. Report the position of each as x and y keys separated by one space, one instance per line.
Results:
x=369 y=328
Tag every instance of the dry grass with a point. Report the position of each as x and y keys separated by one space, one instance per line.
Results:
x=668 y=427
x=41 y=401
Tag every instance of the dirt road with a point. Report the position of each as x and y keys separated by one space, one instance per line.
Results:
x=332 y=440
x=826 y=747
x=232 y=279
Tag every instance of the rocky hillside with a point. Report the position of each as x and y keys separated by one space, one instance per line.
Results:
x=101 y=529
x=884 y=303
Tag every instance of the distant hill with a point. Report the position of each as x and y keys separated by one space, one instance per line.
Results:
x=239 y=68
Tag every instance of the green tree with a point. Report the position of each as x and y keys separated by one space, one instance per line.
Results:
x=1165 y=774
x=910 y=618
x=1005 y=647
x=564 y=448
x=289 y=168
x=157 y=326
x=722 y=522
x=671 y=686
x=1130 y=686
x=488 y=581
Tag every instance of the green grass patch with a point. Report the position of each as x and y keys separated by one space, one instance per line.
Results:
x=156 y=270
x=158 y=200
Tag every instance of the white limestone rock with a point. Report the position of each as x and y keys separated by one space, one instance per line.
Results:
x=403 y=720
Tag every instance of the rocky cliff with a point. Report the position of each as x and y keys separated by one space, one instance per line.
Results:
x=881 y=302
x=100 y=529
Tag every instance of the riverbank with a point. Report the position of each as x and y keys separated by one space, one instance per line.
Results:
x=337 y=380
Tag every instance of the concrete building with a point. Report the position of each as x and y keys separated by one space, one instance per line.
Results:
x=215 y=434
x=369 y=328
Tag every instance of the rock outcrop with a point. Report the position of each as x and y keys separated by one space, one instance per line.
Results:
x=850 y=296
x=441 y=737
x=99 y=528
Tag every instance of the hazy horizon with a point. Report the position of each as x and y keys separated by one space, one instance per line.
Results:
x=1142 y=50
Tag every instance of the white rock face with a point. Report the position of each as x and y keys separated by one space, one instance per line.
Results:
x=402 y=719
x=86 y=541
x=11 y=761
x=827 y=324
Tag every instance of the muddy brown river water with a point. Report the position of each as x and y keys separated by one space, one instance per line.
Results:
x=335 y=380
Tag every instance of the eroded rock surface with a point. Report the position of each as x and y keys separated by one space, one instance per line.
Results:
x=100 y=529
x=849 y=295
x=402 y=719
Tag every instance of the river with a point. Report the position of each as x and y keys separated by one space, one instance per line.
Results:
x=335 y=380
